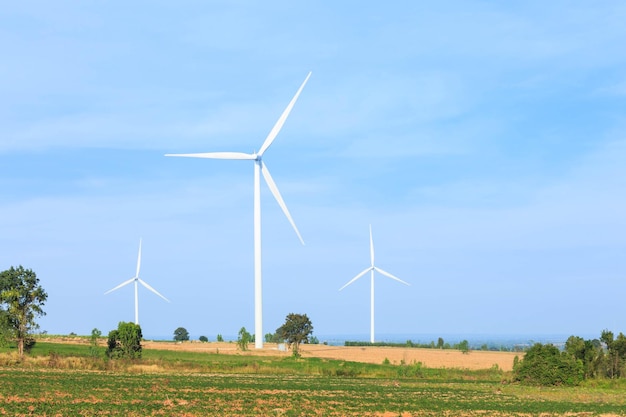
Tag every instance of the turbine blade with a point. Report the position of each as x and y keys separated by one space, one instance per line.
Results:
x=272 y=185
x=120 y=286
x=145 y=284
x=215 y=155
x=281 y=120
x=371 y=246
x=357 y=277
x=138 y=259
x=387 y=274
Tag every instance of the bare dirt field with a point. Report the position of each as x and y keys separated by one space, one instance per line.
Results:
x=431 y=358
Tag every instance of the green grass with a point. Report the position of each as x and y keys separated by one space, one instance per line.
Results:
x=63 y=379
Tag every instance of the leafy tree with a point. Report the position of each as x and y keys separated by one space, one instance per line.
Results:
x=296 y=330
x=220 y=338
x=125 y=342
x=589 y=352
x=5 y=330
x=463 y=346
x=93 y=342
x=24 y=298
x=547 y=365
x=181 y=334
x=203 y=339
x=272 y=338
x=440 y=343
x=243 y=339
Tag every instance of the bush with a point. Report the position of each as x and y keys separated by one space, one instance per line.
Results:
x=125 y=342
x=547 y=365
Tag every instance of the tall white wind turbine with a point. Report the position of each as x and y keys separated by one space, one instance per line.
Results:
x=371 y=269
x=137 y=281
x=259 y=168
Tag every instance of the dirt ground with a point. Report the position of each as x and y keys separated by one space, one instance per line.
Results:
x=431 y=358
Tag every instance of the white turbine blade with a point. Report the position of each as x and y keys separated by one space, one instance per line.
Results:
x=120 y=286
x=138 y=259
x=274 y=189
x=145 y=284
x=357 y=277
x=215 y=155
x=281 y=120
x=387 y=274
x=371 y=246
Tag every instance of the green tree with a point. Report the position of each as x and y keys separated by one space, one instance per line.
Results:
x=125 y=342
x=23 y=298
x=589 y=352
x=296 y=330
x=220 y=338
x=243 y=339
x=440 y=343
x=547 y=365
x=181 y=334
x=5 y=330
x=93 y=342
x=203 y=339
x=463 y=346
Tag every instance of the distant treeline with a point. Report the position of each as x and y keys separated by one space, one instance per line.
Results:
x=463 y=345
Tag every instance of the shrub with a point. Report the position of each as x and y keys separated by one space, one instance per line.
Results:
x=547 y=365
x=125 y=342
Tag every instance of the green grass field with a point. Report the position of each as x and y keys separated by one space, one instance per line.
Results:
x=65 y=380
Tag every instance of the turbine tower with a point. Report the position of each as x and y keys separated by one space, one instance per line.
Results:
x=259 y=168
x=371 y=269
x=137 y=281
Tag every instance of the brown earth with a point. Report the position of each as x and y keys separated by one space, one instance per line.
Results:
x=431 y=358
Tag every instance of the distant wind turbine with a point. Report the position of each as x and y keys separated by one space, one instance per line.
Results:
x=259 y=167
x=371 y=269
x=136 y=280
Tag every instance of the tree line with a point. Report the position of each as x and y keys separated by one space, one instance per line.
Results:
x=580 y=359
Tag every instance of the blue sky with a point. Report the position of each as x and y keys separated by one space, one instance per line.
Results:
x=483 y=141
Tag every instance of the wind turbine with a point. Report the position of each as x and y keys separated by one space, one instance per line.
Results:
x=259 y=168
x=137 y=280
x=371 y=269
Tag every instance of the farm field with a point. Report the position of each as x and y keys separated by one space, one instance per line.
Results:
x=71 y=393
x=62 y=380
x=431 y=358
